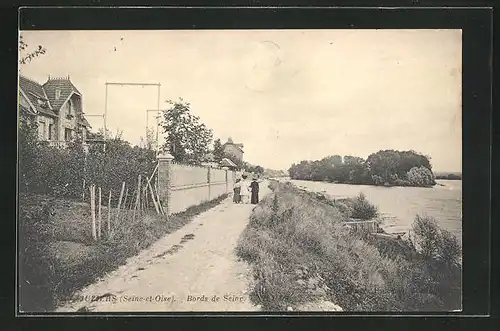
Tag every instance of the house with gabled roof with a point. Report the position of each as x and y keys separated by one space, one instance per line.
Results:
x=57 y=108
x=225 y=162
x=236 y=150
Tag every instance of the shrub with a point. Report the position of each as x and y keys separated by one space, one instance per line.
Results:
x=393 y=178
x=420 y=176
x=377 y=180
x=28 y=149
x=61 y=172
x=435 y=243
x=34 y=267
x=361 y=208
x=440 y=265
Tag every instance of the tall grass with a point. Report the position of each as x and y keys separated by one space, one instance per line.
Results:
x=58 y=256
x=291 y=231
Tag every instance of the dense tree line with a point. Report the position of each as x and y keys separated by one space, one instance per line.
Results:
x=271 y=173
x=386 y=167
x=449 y=176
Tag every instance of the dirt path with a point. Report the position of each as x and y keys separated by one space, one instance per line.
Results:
x=198 y=260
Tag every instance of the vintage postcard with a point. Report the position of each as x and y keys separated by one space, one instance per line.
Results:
x=240 y=170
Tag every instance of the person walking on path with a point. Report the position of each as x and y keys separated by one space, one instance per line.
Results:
x=236 y=190
x=255 y=191
x=245 y=190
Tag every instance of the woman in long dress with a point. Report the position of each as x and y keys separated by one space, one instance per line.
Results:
x=255 y=191
x=245 y=190
x=236 y=190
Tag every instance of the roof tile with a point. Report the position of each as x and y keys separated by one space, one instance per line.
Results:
x=62 y=84
x=227 y=163
x=34 y=92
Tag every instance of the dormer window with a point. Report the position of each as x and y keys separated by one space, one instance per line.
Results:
x=42 y=103
x=58 y=94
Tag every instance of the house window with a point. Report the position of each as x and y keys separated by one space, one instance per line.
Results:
x=51 y=131
x=41 y=130
x=58 y=94
x=68 y=134
x=70 y=107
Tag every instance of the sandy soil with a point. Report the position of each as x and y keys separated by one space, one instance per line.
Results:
x=192 y=269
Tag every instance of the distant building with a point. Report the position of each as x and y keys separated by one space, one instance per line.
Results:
x=236 y=150
x=57 y=108
x=228 y=163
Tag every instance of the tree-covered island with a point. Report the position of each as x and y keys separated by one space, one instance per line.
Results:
x=383 y=168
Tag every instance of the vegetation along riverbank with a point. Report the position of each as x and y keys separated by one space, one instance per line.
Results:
x=386 y=167
x=302 y=252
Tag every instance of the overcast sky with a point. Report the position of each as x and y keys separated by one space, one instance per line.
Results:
x=287 y=95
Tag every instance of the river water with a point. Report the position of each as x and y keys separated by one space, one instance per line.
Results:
x=398 y=206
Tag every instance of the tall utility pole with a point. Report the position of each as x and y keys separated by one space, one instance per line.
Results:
x=158 y=114
x=158 y=85
x=105 y=115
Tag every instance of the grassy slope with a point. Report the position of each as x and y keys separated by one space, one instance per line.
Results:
x=58 y=255
x=301 y=252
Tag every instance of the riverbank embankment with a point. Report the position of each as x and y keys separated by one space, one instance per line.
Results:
x=305 y=258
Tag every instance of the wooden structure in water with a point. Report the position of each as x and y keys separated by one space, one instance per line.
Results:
x=362 y=226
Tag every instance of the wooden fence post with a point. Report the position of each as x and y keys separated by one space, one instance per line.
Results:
x=125 y=202
x=120 y=203
x=83 y=191
x=99 y=216
x=138 y=197
x=153 y=197
x=164 y=182
x=92 y=210
x=109 y=214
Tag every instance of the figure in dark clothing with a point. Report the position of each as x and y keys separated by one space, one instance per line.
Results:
x=236 y=190
x=255 y=192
